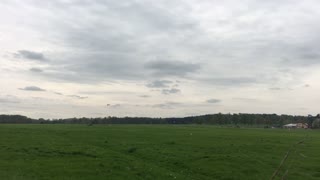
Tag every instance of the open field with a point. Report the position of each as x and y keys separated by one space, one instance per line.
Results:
x=156 y=152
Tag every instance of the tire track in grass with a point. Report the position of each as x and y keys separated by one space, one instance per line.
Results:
x=289 y=166
x=293 y=148
x=294 y=157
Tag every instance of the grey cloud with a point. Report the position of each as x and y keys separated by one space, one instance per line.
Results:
x=213 y=101
x=72 y=96
x=306 y=54
x=157 y=18
x=113 y=105
x=116 y=26
x=280 y=88
x=286 y=53
x=300 y=61
x=106 y=92
x=57 y=93
x=36 y=70
x=31 y=55
x=159 y=84
x=275 y=88
x=245 y=99
x=95 y=38
x=172 y=68
x=144 y=96
x=170 y=91
x=104 y=67
x=32 y=88
x=231 y=81
x=167 y=105
x=9 y=100
x=96 y=68
x=78 y=97
x=107 y=67
x=315 y=56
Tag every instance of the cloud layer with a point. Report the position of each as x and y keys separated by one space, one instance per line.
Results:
x=143 y=54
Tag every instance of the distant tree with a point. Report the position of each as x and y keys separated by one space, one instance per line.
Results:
x=316 y=124
x=219 y=119
x=310 y=120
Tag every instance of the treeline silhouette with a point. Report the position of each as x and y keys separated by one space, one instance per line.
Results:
x=215 y=119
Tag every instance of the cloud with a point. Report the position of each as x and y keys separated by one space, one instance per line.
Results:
x=78 y=97
x=58 y=93
x=231 y=81
x=245 y=99
x=118 y=66
x=72 y=96
x=107 y=92
x=159 y=84
x=30 y=55
x=113 y=105
x=280 y=88
x=127 y=23
x=88 y=67
x=306 y=54
x=213 y=101
x=275 y=89
x=172 y=68
x=9 y=100
x=144 y=96
x=32 y=88
x=36 y=70
x=170 y=91
x=167 y=105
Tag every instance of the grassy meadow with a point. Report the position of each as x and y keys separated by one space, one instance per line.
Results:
x=157 y=152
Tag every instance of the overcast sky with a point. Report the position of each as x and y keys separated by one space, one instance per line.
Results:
x=162 y=58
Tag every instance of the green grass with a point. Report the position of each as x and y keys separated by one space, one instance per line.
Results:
x=156 y=152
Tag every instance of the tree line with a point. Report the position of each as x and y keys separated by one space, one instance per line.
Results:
x=237 y=119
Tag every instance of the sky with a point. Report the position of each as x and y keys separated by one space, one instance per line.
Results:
x=159 y=58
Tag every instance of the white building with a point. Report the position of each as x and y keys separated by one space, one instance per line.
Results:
x=290 y=126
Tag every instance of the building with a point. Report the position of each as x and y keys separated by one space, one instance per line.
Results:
x=290 y=126
x=302 y=125
x=297 y=125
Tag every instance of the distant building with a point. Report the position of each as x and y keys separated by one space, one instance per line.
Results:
x=303 y=125
x=291 y=126
x=298 y=125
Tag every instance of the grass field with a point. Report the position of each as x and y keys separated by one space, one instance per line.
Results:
x=156 y=152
